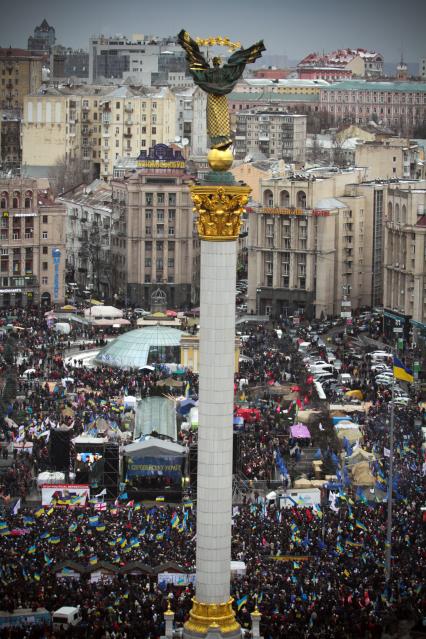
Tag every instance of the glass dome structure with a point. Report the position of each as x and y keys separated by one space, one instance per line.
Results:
x=144 y=346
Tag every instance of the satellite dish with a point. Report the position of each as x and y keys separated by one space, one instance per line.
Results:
x=177 y=138
x=185 y=141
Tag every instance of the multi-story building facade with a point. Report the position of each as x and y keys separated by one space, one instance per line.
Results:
x=276 y=135
x=404 y=297
x=90 y=239
x=398 y=105
x=341 y=65
x=20 y=74
x=119 y=57
x=390 y=158
x=311 y=242
x=68 y=63
x=32 y=245
x=162 y=249
x=43 y=39
x=94 y=126
x=10 y=141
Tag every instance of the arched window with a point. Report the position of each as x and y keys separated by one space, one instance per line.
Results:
x=397 y=213
x=390 y=211
x=15 y=200
x=268 y=198
x=28 y=199
x=301 y=200
x=404 y=214
x=4 y=200
x=284 y=198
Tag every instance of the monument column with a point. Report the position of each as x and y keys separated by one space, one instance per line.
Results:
x=219 y=202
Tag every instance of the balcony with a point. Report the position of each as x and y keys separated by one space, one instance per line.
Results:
x=128 y=134
x=128 y=108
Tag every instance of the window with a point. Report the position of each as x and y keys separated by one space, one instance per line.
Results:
x=44 y=235
x=44 y=266
x=149 y=199
x=154 y=130
x=45 y=250
x=117 y=105
x=160 y=215
x=148 y=262
x=45 y=219
x=148 y=214
x=44 y=280
x=159 y=246
x=148 y=230
x=172 y=215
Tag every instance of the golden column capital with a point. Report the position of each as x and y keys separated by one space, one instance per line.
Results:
x=219 y=209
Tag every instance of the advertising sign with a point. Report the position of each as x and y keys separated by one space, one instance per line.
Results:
x=56 y=253
x=64 y=494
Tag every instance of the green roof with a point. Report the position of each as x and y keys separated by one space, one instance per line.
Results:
x=360 y=85
x=273 y=97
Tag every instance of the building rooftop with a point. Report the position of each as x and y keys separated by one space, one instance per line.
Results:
x=18 y=53
x=359 y=85
x=272 y=97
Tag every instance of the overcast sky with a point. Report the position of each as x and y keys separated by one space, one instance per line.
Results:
x=292 y=28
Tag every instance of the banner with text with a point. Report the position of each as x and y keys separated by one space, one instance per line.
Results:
x=151 y=466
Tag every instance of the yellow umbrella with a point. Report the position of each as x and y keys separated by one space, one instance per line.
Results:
x=355 y=393
x=69 y=307
x=96 y=303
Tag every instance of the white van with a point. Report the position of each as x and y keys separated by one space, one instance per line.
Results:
x=65 y=617
x=345 y=379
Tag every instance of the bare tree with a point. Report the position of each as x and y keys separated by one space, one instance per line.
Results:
x=68 y=173
x=339 y=158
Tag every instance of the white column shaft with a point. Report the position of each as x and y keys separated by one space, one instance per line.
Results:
x=215 y=431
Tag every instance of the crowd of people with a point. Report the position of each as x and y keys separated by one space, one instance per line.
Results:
x=313 y=572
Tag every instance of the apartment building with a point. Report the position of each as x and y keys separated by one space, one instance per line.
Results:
x=398 y=105
x=404 y=297
x=90 y=239
x=310 y=244
x=162 y=248
x=94 y=125
x=390 y=158
x=10 y=141
x=277 y=136
x=20 y=74
x=32 y=245
x=119 y=57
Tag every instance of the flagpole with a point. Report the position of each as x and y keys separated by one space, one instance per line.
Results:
x=388 y=545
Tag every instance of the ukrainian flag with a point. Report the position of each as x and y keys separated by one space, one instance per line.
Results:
x=360 y=525
x=93 y=560
x=175 y=521
x=39 y=512
x=242 y=602
x=402 y=372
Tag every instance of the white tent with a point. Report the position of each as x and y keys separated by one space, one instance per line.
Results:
x=103 y=312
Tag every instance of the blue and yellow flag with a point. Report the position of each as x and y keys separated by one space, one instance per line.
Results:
x=402 y=372
x=242 y=602
x=93 y=560
x=39 y=512
x=175 y=521
x=31 y=550
x=360 y=525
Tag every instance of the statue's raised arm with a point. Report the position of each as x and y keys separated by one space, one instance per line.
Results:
x=218 y=81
